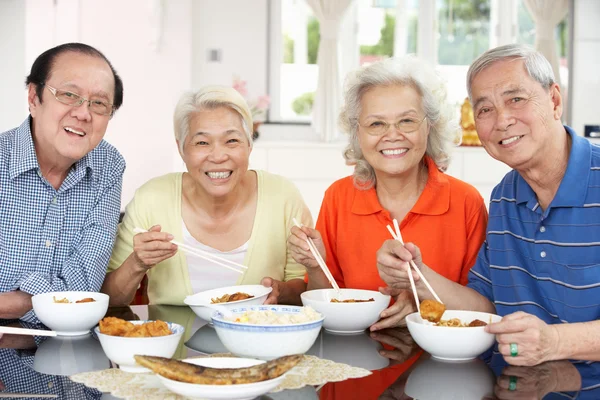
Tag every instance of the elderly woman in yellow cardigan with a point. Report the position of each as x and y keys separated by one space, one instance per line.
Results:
x=218 y=205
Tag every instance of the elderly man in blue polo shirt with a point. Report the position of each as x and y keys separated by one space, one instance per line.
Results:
x=539 y=267
x=60 y=182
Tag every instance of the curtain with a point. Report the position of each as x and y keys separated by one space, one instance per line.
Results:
x=546 y=15
x=328 y=99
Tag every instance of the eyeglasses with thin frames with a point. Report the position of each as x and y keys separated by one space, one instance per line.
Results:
x=405 y=125
x=99 y=107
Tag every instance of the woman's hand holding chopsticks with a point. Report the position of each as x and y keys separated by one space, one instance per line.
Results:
x=152 y=247
x=298 y=246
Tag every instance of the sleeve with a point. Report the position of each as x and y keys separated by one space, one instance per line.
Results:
x=479 y=275
x=476 y=227
x=85 y=268
x=295 y=208
x=327 y=227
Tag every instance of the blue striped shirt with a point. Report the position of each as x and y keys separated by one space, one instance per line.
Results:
x=545 y=262
x=55 y=240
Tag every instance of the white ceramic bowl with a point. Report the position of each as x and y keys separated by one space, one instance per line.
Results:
x=198 y=301
x=266 y=341
x=70 y=355
x=121 y=350
x=346 y=318
x=451 y=343
x=437 y=379
x=70 y=319
x=245 y=391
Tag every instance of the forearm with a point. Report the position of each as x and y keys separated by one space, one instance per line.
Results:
x=566 y=377
x=317 y=279
x=14 y=304
x=454 y=295
x=122 y=283
x=290 y=292
x=579 y=341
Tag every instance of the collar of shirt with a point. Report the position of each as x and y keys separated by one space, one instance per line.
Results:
x=23 y=157
x=435 y=199
x=573 y=187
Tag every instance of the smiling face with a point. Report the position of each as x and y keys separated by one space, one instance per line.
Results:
x=514 y=114
x=64 y=134
x=392 y=153
x=216 y=151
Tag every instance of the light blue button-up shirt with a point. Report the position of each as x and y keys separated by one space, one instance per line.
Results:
x=55 y=240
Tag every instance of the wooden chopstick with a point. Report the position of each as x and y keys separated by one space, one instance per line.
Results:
x=13 y=330
x=205 y=255
x=414 y=266
x=410 y=277
x=320 y=261
x=27 y=396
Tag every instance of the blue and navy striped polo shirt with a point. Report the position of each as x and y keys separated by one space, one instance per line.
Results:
x=545 y=262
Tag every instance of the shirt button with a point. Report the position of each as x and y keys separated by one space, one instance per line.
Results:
x=54 y=201
x=48 y=243
x=543 y=254
x=50 y=385
x=543 y=229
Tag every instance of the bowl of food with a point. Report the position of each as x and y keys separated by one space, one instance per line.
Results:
x=215 y=378
x=349 y=312
x=121 y=340
x=268 y=332
x=459 y=335
x=229 y=297
x=70 y=313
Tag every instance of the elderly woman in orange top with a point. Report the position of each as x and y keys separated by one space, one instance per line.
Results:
x=401 y=132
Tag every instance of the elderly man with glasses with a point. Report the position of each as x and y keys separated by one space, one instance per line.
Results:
x=60 y=182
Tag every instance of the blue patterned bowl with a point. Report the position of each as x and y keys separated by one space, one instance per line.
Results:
x=267 y=341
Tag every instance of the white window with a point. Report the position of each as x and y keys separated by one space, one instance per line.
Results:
x=450 y=33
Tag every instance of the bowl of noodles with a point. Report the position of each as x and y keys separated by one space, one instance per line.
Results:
x=268 y=332
x=229 y=297
x=460 y=335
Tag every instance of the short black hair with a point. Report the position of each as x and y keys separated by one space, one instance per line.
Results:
x=43 y=65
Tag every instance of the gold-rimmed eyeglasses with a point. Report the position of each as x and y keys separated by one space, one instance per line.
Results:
x=405 y=125
x=97 y=106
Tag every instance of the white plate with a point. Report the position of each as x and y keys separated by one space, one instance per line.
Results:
x=246 y=391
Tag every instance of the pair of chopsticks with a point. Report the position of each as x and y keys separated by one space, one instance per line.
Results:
x=27 y=396
x=11 y=330
x=398 y=236
x=223 y=262
x=320 y=261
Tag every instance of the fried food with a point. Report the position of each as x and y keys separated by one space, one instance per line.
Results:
x=118 y=327
x=351 y=301
x=190 y=373
x=432 y=310
x=66 y=301
x=227 y=298
x=457 y=323
x=86 y=300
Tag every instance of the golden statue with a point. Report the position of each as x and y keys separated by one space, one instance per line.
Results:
x=467 y=123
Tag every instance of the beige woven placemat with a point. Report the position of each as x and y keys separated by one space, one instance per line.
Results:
x=311 y=371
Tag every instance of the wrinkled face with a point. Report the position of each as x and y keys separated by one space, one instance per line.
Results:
x=216 y=150
x=392 y=152
x=67 y=133
x=513 y=113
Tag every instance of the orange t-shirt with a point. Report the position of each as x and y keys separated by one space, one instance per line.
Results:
x=447 y=223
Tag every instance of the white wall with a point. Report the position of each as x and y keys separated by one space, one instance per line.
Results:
x=585 y=72
x=13 y=100
x=150 y=45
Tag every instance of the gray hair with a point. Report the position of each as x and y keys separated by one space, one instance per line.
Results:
x=409 y=71
x=209 y=98
x=536 y=65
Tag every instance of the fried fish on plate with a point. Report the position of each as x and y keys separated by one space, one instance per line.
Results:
x=432 y=310
x=190 y=373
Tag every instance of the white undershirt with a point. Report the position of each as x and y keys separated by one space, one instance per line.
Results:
x=205 y=274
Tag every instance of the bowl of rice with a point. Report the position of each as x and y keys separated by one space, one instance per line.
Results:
x=268 y=332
